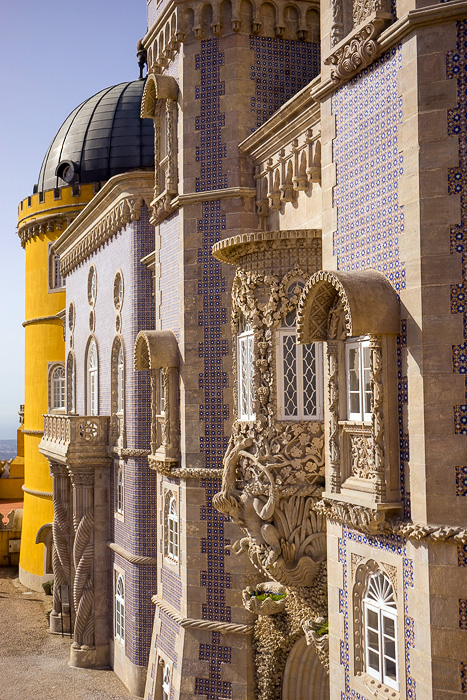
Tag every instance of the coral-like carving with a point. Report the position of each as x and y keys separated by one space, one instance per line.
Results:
x=61 y=557
x=265 y=598
x=357 y=53
x=318 y=638
x=337 y=26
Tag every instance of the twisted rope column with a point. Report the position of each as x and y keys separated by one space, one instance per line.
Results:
x=83 y=554
x=61 y=557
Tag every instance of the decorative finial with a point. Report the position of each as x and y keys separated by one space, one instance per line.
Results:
x=142 y=55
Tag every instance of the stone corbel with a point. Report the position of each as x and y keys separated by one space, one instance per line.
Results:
x=358 y=50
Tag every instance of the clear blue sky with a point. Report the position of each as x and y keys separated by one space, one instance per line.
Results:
x=53 y=55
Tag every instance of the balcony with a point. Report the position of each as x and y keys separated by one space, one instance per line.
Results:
x=75 y=439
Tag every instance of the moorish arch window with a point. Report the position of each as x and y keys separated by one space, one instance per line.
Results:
x=119 y=608
x=171 y=525
x=299 y=371
x=158 y=353
x=71 y=382
x=357 y=315
x=92 y=379
x=57 y=387
x=159 y=102
x=377 y=638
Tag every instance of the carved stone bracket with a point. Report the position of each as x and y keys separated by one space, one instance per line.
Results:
x=357 y=51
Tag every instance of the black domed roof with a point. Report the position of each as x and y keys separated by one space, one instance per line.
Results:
x=104 y=136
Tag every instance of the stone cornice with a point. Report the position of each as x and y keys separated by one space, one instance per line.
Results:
x=115 y=205
x=230 y=250
x=292 y=119
x=132 y=558
x=167 y=468
x=210 y=625
x=384 y=39
x=377 y=522
x=192 y=197
x=47 y=223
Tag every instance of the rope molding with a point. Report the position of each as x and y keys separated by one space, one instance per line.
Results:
x=214 y=625
x=184 y=472
x=33 y=492
x=132 y=558
x=32 y=432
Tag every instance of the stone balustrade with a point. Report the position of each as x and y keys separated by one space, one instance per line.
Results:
x=70 y=438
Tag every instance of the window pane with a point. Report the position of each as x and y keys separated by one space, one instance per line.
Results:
x=390 y=670
x=353 y=369
x=373 y=640
x=354 y=403
x=373 y=660
x=389 y=648
x=289 y=367
x=372 y=619
x=388 y=626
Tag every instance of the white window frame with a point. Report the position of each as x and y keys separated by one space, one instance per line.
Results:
x=360 y=345
x=246 y=374
x=56 y=281
x=383 y=611
x=92 y=380
x=119 y=607
x=119 y=488
x=57 y=385
x=318 y=350
x=173 y=530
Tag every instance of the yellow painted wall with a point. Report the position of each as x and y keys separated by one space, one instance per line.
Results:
x=44 y=344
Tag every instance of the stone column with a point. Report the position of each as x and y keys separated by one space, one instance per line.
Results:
x=83 y=650
x=62 y=538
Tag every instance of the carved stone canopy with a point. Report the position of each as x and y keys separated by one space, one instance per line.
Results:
x=158 y=87
x=156 y=349
x=42 y=533
x=369 y=302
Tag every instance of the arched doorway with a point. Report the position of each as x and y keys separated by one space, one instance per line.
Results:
x=305 y=678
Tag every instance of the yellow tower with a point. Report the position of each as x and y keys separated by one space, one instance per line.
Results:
x=42 y=218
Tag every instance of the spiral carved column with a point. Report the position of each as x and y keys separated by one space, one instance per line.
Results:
x=83 y=556
x=62 y=544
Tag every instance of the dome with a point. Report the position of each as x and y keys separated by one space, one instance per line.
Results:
x=101 y=138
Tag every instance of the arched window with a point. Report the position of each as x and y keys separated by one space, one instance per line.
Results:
x=299 y=371
x=119 y=489
x=120 y=380
x=119 y=609
x=71 y=383
x=172 y=527
x=380 y=630
x=245 y=370
x=57 y=388
x=92 y=385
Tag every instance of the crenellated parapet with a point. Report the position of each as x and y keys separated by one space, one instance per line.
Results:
x=185 y=21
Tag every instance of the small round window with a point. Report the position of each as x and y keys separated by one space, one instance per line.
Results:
x=118 y=290
x=92 y=285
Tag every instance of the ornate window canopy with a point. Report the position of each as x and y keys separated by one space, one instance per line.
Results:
x=156 y=350
x=370 y=305
x=158 y=87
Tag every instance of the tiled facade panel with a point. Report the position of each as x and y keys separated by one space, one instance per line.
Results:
x=140 y=585
x=169 y=256
x=281 y=68
x=213 y=687
x=155 y=9
x=457 y=184
x=173 y=67
x=368 y=111
x=376 y=547
x=171 y=587
x=211 y=151
x=137 y=532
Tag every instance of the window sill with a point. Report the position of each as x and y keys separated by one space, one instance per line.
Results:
x=119 y=516
x=377 y=688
